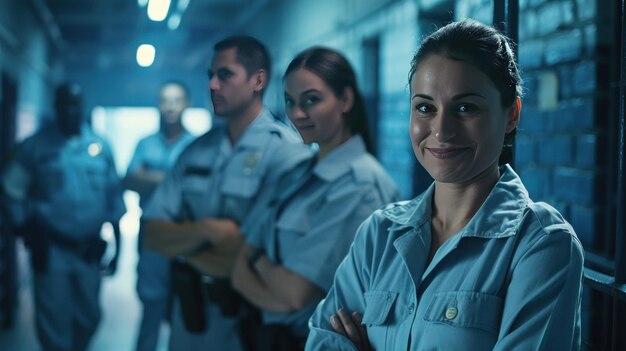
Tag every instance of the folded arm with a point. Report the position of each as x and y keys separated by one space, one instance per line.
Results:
x=251 y=285
x=143 y=181
x=173 y=239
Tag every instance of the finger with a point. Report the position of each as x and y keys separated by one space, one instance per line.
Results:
x=337 y=326
x=358 y=320
x=348 y=324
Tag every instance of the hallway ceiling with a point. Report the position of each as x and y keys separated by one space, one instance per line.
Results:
x=106 y=33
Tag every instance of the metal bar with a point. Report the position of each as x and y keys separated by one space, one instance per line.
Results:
x=599 y=263
x=512 y=22
x=499 y=15
x=619 y=320
x=620 y=240
x=604 y=283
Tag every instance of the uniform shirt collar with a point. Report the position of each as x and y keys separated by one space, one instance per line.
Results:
x=252 y=136
x=499 y=215
x=338 y=162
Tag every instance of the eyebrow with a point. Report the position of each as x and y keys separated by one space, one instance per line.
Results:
x=219 y=70
x=305 y=92
x=456 y=97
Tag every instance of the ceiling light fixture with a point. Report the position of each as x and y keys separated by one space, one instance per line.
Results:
x=157 y=9
x=145 y=55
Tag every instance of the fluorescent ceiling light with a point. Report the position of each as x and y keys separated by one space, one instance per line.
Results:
x=157 y=9
x=142 y=3
x=145 y=55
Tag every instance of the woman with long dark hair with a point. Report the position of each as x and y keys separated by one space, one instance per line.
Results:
x=304 y=230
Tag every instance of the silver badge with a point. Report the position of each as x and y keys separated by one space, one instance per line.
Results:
x=94 y=149
x=251 y=161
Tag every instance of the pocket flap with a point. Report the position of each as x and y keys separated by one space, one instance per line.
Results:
x=469 y=309
x=240 y=186
x=377 y=306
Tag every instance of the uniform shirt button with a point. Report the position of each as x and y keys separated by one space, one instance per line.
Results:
x=411 y=308
x=451 y=312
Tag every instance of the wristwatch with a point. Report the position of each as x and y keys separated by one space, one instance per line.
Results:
x=254 y=257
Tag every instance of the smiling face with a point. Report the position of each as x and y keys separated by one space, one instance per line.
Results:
x=315 y=110
x=232 y=90
x=457 y=120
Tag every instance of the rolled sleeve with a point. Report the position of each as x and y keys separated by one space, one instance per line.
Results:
x=329 y=235
x=349 y=284
x=166 y=201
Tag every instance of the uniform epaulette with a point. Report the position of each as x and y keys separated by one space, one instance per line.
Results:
x=364 y=169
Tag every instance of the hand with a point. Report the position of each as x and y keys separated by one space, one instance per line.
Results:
x=224 y=234
x=352 y=328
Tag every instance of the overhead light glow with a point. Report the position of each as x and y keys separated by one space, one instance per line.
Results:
x=145 y=55
x=142 y=3
x=182 y=5
x=173 y=22
x=157 y=9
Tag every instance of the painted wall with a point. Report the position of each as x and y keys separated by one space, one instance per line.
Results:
x=29 y=56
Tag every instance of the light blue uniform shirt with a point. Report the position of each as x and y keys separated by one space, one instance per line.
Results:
x=311 y=224
x=71 y=186
x=511 y=279
x=156 y=154
x=214 y=179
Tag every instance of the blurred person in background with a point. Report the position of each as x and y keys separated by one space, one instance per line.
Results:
x=61 y=187
x=153 y=157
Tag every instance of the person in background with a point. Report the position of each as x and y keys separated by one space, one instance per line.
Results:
x=195 y=213
x=297 y=241
x=153 y=157
x=472 y=263
x=62 y=187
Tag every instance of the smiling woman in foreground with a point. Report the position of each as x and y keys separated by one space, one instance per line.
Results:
x=472 y=263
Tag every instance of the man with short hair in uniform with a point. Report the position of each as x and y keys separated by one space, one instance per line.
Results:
x=153 y=157
x=195 y=213
x=61 y=187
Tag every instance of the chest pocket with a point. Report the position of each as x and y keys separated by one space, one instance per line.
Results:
x=196 y=187
x=376 y=317
x=238 y=191
x=377 y=307
x=466 y=309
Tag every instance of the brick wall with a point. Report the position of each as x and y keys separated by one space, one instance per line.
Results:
x=559 y=134
x=558 y=140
